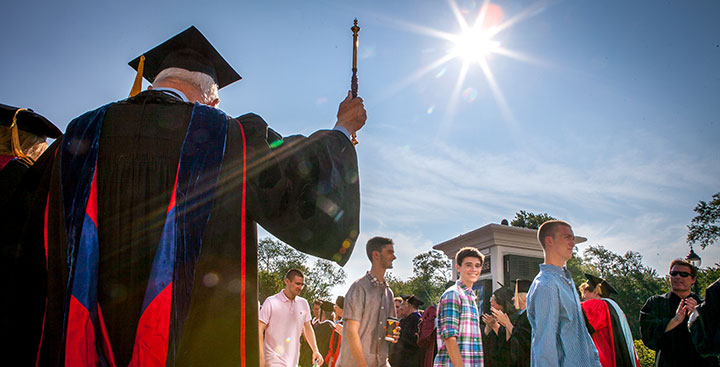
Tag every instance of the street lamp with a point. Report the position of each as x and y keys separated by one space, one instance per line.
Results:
x=695 y=260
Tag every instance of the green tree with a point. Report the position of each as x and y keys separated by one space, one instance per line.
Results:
x=634 y=281
x=530 y=220
x=431 y=270
x=578 y=268
x=276 y=258
x=705 y=227
x=706 y=277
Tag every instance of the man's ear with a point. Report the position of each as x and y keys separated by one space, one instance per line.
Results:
x=215 y=103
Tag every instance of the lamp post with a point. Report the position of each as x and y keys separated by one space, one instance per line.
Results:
x=695 y=260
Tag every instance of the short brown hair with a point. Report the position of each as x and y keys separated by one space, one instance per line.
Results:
x=693 y=269
x=294 y=272
x=468 y=252
x=376 y=244
x=547 y=229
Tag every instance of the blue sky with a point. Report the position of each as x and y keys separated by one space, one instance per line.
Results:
x=607 y=117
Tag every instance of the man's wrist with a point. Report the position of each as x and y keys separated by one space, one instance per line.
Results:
x=343 y=130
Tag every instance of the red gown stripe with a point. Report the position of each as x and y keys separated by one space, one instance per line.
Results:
x=151 y=339
x=107 y=348
x=80 y=346
x=243 y=257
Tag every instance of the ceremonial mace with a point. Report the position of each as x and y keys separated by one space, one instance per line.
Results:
x=354 y=81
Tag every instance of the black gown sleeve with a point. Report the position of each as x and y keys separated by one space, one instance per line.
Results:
x=653 y=323
x=22 y=311
x=304 y=190
x=519 y=344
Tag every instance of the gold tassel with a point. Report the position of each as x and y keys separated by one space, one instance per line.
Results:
x=137 y=86
x=15 y=143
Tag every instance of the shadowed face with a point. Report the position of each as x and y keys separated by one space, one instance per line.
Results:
x=316 y=311
x=294 y=287
x=587 y=295
x=387 y=256
x=561 y=242
x=678 y=282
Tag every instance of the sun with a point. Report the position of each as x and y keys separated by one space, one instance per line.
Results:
x=474 y=45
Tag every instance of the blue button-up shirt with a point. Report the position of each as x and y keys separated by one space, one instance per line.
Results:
x=559 y=334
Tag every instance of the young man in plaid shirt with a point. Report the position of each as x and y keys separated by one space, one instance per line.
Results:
x=459 y=341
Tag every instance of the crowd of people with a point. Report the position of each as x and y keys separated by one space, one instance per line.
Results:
x=132 y=241
x=543 y=322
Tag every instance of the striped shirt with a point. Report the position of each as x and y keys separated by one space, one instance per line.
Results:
x=458 y=317
x=559 y=334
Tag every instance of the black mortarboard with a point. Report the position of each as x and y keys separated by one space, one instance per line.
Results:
x=189 y=50
x=340 y=302
x=522 y=285
x=594 y=281
x=417 y=302
x=503 y=296
x=28 y=120
x=327 y=306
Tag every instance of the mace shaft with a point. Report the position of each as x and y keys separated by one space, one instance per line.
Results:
x=354 y=81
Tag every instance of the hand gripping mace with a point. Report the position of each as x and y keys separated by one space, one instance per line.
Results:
x=354 y=81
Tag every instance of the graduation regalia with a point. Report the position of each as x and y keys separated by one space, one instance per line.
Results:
x=323 y=334
x=302 y=190
x=609 y=328
x=406 y=351
x=496 y=347
x=614 y=344
x=520 y=341
x=427 y=335
x=22 y=135
x=14 y=161
x=675 y=347
x=521 y=337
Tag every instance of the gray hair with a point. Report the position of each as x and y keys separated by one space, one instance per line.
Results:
x=206 y=84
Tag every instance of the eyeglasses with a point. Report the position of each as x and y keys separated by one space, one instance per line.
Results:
x=683 y=274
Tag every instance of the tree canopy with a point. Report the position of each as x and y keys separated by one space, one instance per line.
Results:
x=431 y=271
x=530 y=220
x=704 y=229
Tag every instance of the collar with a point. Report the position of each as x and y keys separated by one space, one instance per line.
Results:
x=554 y=269
x=173 y=92
x=465 y=288
x=284 y=298
x=375 y=281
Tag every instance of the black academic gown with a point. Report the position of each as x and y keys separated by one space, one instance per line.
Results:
x=675 y=347
x=704 y=324
x=496 y=349
x=407 y=352
x=323 y=332
x=520 y=341
x=304 y=191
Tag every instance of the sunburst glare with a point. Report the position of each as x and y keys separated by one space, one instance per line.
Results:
x=474 y=47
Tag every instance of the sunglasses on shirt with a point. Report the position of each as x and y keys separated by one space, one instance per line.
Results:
x=683 y=274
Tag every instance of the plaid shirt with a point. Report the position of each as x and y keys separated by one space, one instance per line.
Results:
x=458 y=316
